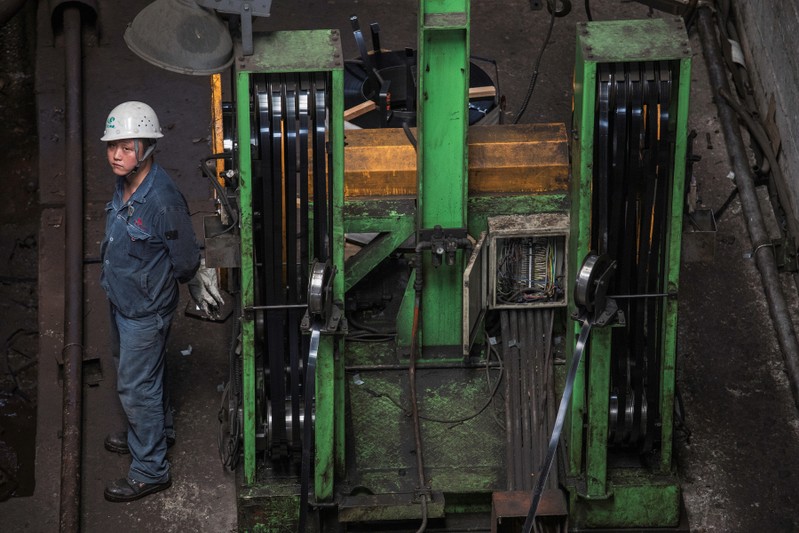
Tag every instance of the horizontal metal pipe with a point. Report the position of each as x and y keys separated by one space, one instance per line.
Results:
x=422 y=366
x=764 y=258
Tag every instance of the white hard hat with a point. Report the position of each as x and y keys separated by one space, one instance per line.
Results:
x=131 y=120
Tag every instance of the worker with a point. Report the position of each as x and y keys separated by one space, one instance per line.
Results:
x=148 y=249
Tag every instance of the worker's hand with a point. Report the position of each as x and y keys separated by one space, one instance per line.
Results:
x=204 y=291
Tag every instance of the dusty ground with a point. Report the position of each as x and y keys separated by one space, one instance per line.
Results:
x=739 y=447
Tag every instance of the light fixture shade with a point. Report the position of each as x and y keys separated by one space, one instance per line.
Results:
x=180 y=36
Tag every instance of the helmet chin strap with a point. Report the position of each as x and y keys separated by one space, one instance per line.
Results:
x=139 y=160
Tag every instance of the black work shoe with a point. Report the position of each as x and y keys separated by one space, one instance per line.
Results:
x=128 y=490
x=118 y=442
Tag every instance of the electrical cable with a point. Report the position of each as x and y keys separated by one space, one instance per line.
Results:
x=228 y=441
x=220 y=192
x=453 y=421
x=534 y=76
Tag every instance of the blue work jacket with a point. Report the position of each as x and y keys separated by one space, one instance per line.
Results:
x=149 y=246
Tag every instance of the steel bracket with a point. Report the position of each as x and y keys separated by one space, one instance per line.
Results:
x=785 y=254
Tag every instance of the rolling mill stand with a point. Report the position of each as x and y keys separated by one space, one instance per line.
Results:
x=406 y=294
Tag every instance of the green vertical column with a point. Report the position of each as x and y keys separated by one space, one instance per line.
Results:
x=442 y=156
x=329 y=405
x=596 y=453
x=673 y=266
x=247 y=272
x=324 y=425
x=580 y=241
x=337 y=144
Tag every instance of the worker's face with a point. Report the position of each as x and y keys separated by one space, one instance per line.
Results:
x=122 y=156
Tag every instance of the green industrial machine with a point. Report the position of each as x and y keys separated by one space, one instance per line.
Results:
x=632 y=83
x=404 y=293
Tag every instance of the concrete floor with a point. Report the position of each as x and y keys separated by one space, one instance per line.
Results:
x=737 y=452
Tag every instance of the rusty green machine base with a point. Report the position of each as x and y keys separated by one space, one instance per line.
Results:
x=463 y=453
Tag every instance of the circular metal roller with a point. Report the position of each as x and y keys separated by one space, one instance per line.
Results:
x=586 y=287
x=320 y=300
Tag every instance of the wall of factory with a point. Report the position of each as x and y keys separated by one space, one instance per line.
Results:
x=769 y=40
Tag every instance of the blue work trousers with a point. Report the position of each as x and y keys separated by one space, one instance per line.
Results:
x=139 y=350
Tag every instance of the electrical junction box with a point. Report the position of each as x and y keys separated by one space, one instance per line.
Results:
x=527 y=261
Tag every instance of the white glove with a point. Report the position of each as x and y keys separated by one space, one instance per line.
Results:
x=204 y=291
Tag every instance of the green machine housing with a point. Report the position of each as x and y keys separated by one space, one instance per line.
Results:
x=422 y=375
x=631 y=94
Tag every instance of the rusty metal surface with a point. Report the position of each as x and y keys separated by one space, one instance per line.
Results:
x=398 y=506
x=516 y=503
x=525 y=158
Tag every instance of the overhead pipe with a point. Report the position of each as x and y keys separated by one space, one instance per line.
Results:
x=70 y=502
x=761 y=242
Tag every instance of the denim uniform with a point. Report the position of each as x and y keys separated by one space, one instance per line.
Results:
x=149 y=248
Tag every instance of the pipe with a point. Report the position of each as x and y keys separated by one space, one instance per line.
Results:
x=766 y=263
x=73 y=305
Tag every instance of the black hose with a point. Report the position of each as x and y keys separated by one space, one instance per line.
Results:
x=534 y=75
x=220 y=193
x=766 y=262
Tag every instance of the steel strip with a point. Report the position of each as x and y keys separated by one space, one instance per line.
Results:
x=320 y=207
x=290 y=97
x=307 y=433
x=275 y=319
x=601 y=184
x=543 y=474
x=304 y=109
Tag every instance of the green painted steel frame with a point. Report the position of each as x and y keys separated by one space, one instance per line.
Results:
x=442 y=158
x=283 y=52
x=652 y=499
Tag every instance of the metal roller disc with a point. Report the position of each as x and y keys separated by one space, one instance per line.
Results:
x=318 y=300
x=586 y=284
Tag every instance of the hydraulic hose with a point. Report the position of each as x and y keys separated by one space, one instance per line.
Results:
x=765 y=261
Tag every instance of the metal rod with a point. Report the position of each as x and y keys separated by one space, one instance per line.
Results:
x=766 y=263
x=422 y=366
x=271 y=307
x=648 y=295
x=73 y=305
